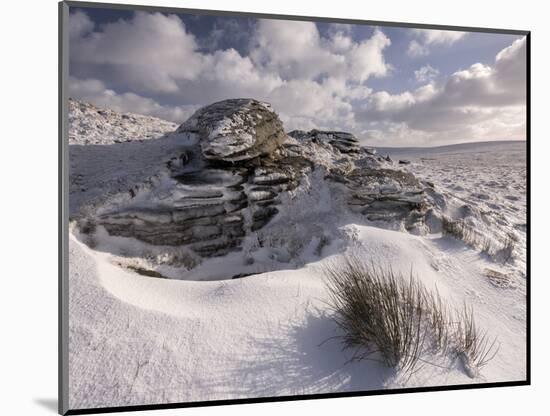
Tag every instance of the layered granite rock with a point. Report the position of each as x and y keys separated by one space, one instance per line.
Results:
x=232 y=167
x=371 y=184
x=342 y=141
x=388 y=195
x=225 y=183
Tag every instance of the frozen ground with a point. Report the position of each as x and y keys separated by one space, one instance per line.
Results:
x=489 y=177
x=136 y=340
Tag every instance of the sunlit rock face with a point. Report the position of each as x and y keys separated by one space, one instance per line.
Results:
x=236 y=130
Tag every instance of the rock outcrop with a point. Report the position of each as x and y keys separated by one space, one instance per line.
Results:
x=388 y=195
x=342 y=141
x=223 y=186
x=371 y=185
x=232 y=168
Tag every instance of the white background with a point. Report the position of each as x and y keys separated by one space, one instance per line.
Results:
x=28 y=230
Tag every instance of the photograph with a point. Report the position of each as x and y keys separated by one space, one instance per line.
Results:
x=266 y=207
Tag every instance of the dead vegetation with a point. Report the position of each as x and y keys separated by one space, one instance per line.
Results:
x=499 y=279
x=388 y=317
x=459 y=229
x=473 y=345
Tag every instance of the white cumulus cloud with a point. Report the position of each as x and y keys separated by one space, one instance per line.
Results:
x=427 y=38
x=152 y=58
x=482 y=102
x=150 y=63
x=425 y=74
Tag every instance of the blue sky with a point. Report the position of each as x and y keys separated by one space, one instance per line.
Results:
x=387 y=85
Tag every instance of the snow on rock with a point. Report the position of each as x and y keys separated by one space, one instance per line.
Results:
x=237 y=129
x=343 y=141
x=233 y=160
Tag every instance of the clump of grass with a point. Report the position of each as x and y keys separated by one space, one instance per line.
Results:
x=438 y=314
x=473 y=346
x=461 y=231
x=487 y=247
x=384 y=313
x=464 y=232
x=506 y=253
x=378 y=311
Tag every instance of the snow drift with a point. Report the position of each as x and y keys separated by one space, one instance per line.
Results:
x=196 y=257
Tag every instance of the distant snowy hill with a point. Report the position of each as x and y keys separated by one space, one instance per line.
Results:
x=89 y=124
x=473 y=147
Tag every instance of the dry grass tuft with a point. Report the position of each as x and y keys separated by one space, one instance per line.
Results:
x=379 y=311
x=382 y=312
x=473 y=346
x=464 y=232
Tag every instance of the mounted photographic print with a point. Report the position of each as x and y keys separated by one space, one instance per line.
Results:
x=263 y=207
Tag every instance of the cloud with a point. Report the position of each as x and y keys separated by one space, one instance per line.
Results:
x=510 y=68
x=426 y=38
x=437 y=37
x=367 y=58
x=481 y=102
x=79 y=25
x=227 y=32
x=503 y=84
x=425 y=74
x=301 y=102
x=153 y=56
x=293 y=50
x=150 y=52
x=152 y=64
x=334 y=28
x=340 y=42
x=417 y=49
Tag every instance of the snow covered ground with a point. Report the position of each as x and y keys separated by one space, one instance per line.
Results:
x=136 y=339
x=490 y=178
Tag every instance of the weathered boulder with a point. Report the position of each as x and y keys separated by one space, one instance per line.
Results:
x=236 y=130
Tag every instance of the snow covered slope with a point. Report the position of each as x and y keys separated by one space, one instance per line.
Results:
x=89 y=124
x=486 y=179
x=201 y=334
